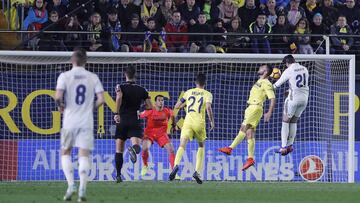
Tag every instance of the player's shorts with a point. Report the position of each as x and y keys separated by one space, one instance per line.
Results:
x=162 y=139
x=77 y=137
x=294 y=107
x=253 y=114
x=191 y=130
x=128 y=128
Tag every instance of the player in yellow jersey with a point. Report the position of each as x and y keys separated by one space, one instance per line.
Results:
x=261 y=90
x=197 y=102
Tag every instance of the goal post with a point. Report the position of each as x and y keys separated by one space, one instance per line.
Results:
x=30 y=124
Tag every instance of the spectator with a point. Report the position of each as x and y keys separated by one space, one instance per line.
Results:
x=280 y=44
x=37 y=16
x=311 y=7
x=352 y=14
x=219 y=40
x=341 y=44
x=114 y=25
x=189 y=12
x=329 y=12
x=270 y=11
x=238 y=43
x=201 y=43
x=211 y=10
x=176 y=43
x=167 y=9
x=260 y=44
x=303 y=42
x=102 y=7
x=96 y=41
x=295 y=12
x=72 y=40
x=126 y=9
x=248 y=13
x=83 y=13
x=154 y=43
x=280 y=4
x=135 y=41
x=318 y=27
x=151 y=10
x=52 y=41
x=55 y=5
x=227 y=11
x=238 y=3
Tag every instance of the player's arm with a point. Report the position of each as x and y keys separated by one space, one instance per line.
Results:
x=269 y=90
x=283 y=78
x=181 y=103
x=100 y=100
x=173 y=121
x=119 y=96
x=148 y=104
x=210 y=114
x=60 y=90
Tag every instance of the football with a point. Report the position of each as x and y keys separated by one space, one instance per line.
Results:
x=276 y=73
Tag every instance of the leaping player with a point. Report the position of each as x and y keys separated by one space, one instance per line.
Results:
x=295 y=103
x=261 y=90
x=156 y=131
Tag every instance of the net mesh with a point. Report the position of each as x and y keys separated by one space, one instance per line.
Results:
x=30 y=123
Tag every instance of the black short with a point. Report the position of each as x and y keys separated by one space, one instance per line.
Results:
x=128 y=128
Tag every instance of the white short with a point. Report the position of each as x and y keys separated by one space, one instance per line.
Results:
x=77 y=137
x=294 y=107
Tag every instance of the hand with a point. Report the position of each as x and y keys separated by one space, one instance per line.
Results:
x=267 y=116
x=117 y=118
x=318 y=42
x=192 y=22
x=61 y=108
x=262 y=6
x=174 y=128
x=285 y=39
x=212 y=125
x=346 y=47
x=286 y=93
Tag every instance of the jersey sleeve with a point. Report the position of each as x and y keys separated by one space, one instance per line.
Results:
x=145 y=114
x=184 y=97
x=170 y=113
x=98 y=86
x=284 y=77
x=269 y=90
x=209 y=98
x=61 y=82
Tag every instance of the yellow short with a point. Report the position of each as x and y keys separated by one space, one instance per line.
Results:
x=190 y=131
x=253 y=114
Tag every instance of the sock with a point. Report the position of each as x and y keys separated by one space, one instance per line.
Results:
x=237 y=139
x=292 y=133
x=172 y=159
x=284 y=134
x=145 y=156
x=251 y=147
x=136 y=148
x=84 y=167
x=179 y=154
x=118 y=163
x=199 y=159
x=68 y=169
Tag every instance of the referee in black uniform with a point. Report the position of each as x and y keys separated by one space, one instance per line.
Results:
x=129 y=98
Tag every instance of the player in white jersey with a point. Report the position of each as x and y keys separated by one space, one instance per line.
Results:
x=75 y=92
x=295 y=103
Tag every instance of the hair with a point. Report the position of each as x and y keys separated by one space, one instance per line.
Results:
x=42 y=7
x=175 y=11
x=80 y=56
x=342 y=16
x=201 y=79
x=269 y=69
x=306 y=22
x=158 y=96
x=288 y=59
x=130 y=72
x=54 y=12
x=236 y=18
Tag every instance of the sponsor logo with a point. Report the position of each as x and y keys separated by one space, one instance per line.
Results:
x=311 y=168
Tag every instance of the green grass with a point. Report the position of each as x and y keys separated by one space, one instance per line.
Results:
x=184 y=192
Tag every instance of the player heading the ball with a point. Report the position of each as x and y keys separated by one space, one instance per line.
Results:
x=77 y=88
x=261 y=90
x=295 y=103
x=197 y=102
x=157 y=121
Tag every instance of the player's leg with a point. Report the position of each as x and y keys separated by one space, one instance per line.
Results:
x=146 y=144
x=67 y=141
x=184 y=138
x=200 y=155
x=293 y=125
x=250 y=135
x=84 y=168
x=135 y=149
x=285 y=126
x=119 y=159
x=171 y=152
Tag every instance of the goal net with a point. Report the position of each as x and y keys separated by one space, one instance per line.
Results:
x=324 y=151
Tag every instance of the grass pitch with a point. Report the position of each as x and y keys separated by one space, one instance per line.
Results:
x=185 y=192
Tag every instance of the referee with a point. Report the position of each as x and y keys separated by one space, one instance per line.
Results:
x=129 y=98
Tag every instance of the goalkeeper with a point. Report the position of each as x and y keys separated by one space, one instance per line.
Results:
x=261 y=90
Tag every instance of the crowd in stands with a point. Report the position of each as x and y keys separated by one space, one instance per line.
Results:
x=252 y=20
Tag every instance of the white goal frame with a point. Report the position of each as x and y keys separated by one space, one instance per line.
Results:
x=271 y=57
